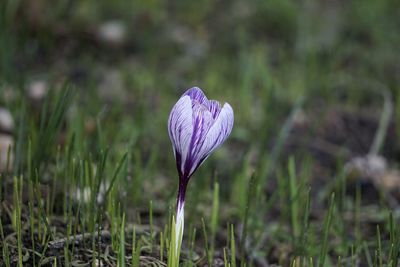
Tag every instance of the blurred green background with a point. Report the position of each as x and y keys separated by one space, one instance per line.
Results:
x=132 y=59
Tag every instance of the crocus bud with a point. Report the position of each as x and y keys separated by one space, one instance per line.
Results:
x=196 y=126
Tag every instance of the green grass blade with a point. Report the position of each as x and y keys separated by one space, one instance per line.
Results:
x=206 y=242
x=251 y=194
x=50 y=126
x=326 y=229
x=294 y=209
x=121 y=254
x=214 y=218
x=233 y=247
x=115 y=175
x=379 y=246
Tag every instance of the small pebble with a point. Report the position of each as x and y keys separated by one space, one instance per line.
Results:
x=112 y=32
x=6 y=120
x=6 y=141
x=371 y=166
x=37 y=90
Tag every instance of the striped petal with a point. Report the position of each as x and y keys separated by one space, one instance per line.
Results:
x=197 y=94
x=202 y=122
x=180 y=129
x=219 y=132
x=214 y=107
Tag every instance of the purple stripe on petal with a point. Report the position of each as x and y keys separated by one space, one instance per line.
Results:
x=214 y=107
x=197 y=94
x=178 y=159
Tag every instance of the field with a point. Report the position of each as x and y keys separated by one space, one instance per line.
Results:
x=310 y=175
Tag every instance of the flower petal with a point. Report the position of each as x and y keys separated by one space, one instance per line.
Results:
x=214 y=107
x=195 y=93
x=180 y=128
x=202 y=122
x=218 y=133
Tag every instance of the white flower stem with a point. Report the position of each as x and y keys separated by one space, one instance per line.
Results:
x=179 y=225
x=180 y=219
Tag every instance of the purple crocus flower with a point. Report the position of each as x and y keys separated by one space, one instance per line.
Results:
x=196 y=126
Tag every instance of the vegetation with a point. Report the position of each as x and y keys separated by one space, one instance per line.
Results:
x=309 y=176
